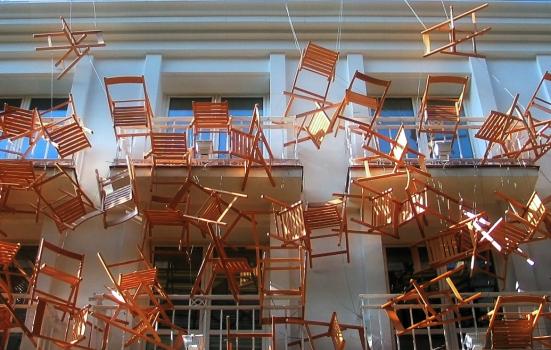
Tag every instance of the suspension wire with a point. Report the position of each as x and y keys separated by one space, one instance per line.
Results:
x=95 y=16
x=71 y=14
x=415 y=13
x=444 y=7
x=339 y=30
x=292 y=28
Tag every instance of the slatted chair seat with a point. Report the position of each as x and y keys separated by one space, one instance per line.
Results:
x=457 y=35
x=319 y=61
x=67 y=208
x=118 y=193
x=131 y=117
x=18 y=174
x=250 y=147
x=168 y=150
x=18 y=122
x=328 y=215
x=138 y=279
x=289 y=223
x=8 y=251
x=75 y=44
x=66 y=135
x=513 y=329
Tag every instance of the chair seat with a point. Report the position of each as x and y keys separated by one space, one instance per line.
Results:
x=165 y=217
x=69 y=139
x=136 y=279
x=234 y=265
x=134 y=116
x=59 y=275
x=119 y=196
x=70 y=211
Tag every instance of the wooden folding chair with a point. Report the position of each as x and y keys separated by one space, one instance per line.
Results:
x=420 y=297
x=365 y=97
x=77 y=332
x=280 y=297
x=17 y=123
x=250 y=147
x=62 y=199
x=532 y=216
x=511 y=328
x=383 y=213
x=17 y=175
x=329 y=215
x=138 y=282
x=544 y=340
x=396 y=157
x=441 y=115
x=320 y=63
x=67 y=135
x=539 y=130
x=131 y=117
x=506 y=130
x=168 y=150
x=289 y=223
x=56 y=265
x=335 y=332
x=456 y=34
x=210 y=117
x=119 y=196
x=209 y=220
x=10 y=320
x=9 y=267
x=76 y=44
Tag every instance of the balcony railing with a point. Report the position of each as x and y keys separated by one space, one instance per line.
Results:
x=459 y=335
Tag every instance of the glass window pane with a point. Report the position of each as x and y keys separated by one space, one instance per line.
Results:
x=397 y=107
x=42 y=149
x=243 y=106
x=181 y=106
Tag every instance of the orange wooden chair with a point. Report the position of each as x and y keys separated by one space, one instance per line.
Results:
x=365 y=97
x=316 y=63
x=77 y=332
x=289 y=223
x=131 y=117
x=9 y=267
x=511 y=328
x=335 y=332
x=168 y=150
x=119 y=196
x=532 y=216
x=323 y=216
x=319 y=125
x=250 y=147
x=67 y=135
x=457 y=35
x=17 y=175
x=420 y=297
x=396 y=157
x=210 y=117
x=383 y=213
x=505 y=130
x=137 y=291
x=441 y=115
x=75 y=44
x=276 y=296
x=209 y=220
x=62 y=199
x=56 y=265
x=539 y=129
x=9 y=319
x=18 y=123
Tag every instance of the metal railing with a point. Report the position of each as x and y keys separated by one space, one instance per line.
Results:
x=470 y=334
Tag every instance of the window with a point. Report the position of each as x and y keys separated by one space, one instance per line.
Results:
x=238 y=107
x=176 y=271
x=397 y=107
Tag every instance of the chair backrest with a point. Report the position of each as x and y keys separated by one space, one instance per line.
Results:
x=135 y=112
x=513 y=329
x=289 y=221
x=18 y=122
x=324 y=215
x=17 y=173
x=168 y=146
x=210 y=115
x=8 y=251
x=439 y=103
x=319 y=60
x=367 y=99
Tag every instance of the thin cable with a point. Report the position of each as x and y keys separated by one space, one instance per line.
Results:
x=71 y=14
x=293 y=28
x=95 y=16
x=444 y=7
x=339 y=30
x=507 y=90
x=412 y=10
x=97 y=76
